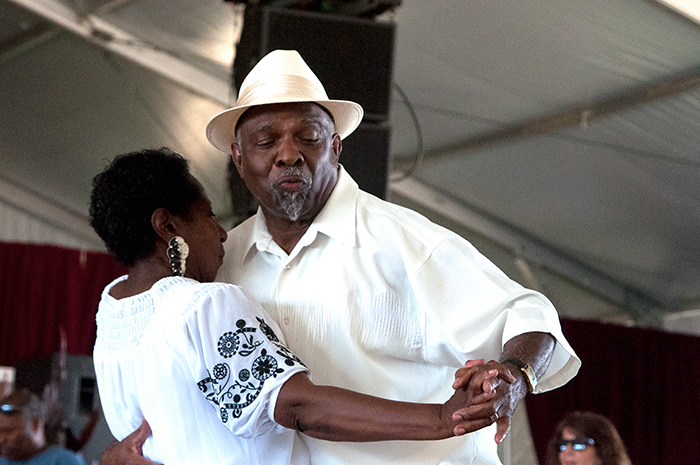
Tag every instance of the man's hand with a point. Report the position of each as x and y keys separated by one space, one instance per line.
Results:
x=507 y=391
x=536 y=348
x=500 y=394
x=128 y=452
x=468 y=409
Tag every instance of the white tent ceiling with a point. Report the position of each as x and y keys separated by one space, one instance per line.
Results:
x=566 y=131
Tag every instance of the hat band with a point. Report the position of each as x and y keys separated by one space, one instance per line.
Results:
x=284 y=88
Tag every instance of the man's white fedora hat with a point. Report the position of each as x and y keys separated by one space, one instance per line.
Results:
x=281 y=76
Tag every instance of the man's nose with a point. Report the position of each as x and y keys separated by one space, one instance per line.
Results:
x=289 y=153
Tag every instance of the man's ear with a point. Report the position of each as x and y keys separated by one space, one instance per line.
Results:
x=35 y=424
x=164 y=224
x=237 y=156
x=336 y=146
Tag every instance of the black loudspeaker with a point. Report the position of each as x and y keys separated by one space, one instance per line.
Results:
x=364 y=156
x=353 y=57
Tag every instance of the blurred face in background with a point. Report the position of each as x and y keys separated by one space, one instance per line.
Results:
x=575 y=450
x=16 y=436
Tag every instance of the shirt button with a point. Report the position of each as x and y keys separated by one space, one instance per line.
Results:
x=286 y=320
x=287 y=267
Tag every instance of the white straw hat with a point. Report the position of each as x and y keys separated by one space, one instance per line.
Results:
x=281 y=76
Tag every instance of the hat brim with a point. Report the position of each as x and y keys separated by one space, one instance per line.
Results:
x=347 y=116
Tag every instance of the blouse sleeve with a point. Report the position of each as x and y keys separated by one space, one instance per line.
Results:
x=239 y=363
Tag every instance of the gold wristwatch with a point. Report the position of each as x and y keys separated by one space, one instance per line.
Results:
x=530 y=376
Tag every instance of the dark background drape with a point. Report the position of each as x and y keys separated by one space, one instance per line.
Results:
x=45 y=289
x=647 y=382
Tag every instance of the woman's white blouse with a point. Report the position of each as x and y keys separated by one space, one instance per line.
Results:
x=203 y=363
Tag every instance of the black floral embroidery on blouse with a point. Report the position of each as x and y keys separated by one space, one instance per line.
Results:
x=264 y=367
x=267 y=331
x=229 y=392
x=289 y=358
x=220 y=371
x=228 y=344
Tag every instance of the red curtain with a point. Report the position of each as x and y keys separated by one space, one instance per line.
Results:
x=45 y=289
x=647 y=382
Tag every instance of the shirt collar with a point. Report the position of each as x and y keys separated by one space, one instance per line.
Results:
x=336 y=219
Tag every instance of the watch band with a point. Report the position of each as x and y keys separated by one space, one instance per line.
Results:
x=530 y=376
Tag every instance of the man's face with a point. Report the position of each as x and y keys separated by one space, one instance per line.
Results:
x=287 y=154
x=15 y=436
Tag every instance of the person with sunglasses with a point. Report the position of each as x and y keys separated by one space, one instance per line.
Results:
x=586 y=438
x=22 y=436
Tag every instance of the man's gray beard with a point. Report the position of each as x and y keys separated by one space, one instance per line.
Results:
x=292 y=202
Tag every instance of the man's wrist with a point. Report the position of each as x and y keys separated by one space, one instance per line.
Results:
x=527 y=372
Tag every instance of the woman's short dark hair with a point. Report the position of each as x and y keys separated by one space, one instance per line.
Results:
x=608 y=444
x=133 y=186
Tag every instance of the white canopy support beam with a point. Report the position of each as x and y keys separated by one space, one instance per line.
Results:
x=61 y=217
x=120 y=42
x=582 y=114
x=645 y=308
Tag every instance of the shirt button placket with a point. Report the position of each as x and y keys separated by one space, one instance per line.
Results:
x=280 y=285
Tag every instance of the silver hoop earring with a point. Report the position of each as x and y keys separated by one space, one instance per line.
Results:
x=177 y=252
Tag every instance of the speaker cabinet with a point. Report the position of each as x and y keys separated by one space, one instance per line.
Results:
x=364 y=156
x=353 y=57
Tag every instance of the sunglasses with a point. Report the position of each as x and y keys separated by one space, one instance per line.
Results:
x=576 y=443
x=10 y=409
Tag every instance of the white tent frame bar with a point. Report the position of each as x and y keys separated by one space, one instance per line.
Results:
x=61 y=217
x=118 y=41
x=581 y=115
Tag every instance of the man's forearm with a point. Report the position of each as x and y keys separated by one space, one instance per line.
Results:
x=535 y=349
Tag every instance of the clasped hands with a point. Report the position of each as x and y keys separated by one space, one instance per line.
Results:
x=485 y=393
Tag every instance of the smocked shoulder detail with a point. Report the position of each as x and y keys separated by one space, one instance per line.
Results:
x=121 y=323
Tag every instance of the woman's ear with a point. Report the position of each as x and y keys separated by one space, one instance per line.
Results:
x=163 y=224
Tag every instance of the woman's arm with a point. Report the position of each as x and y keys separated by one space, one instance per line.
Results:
x=336 y=414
